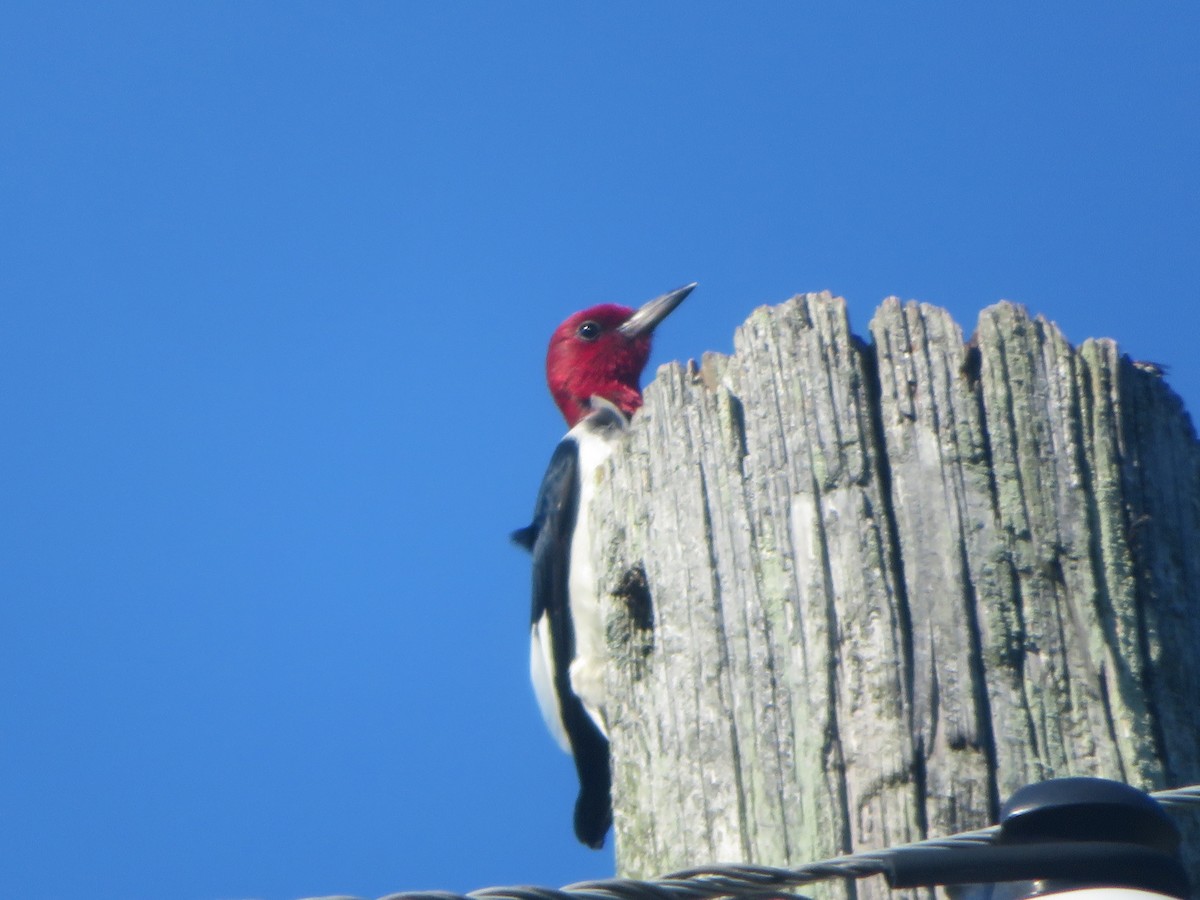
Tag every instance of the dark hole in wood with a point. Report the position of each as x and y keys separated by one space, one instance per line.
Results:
x=634 y=592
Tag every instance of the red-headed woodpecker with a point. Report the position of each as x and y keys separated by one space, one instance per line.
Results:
x=592 y=368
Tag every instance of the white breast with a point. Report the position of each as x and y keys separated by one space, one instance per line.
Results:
x=596 y=445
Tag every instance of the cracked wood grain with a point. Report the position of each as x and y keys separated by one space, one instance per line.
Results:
x=859 y=593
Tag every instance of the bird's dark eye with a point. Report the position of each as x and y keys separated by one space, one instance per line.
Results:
x=589 y=330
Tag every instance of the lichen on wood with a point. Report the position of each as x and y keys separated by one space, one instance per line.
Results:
x=861 y=592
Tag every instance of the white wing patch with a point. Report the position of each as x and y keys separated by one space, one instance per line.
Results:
x=541 y=671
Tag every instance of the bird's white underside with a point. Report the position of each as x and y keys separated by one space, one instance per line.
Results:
x=591 y=649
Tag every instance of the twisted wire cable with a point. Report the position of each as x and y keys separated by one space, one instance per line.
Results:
x=745 y=881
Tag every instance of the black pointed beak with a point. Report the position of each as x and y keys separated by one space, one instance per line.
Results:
x=645 y=319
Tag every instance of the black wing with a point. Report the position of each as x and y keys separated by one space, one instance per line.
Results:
x=548 y=537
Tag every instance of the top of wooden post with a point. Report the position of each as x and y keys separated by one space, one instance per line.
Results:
x=886 y=583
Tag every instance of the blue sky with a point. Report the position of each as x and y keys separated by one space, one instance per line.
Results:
x=276 y=281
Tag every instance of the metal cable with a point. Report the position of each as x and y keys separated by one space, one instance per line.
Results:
x=747 y=882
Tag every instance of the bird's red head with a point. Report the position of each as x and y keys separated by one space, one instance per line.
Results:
x=602 y=351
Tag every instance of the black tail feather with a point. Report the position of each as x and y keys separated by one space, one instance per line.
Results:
x=593 y=808
x=593 y=815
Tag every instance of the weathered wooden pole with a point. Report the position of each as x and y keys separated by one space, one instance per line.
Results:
x=859 y=593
